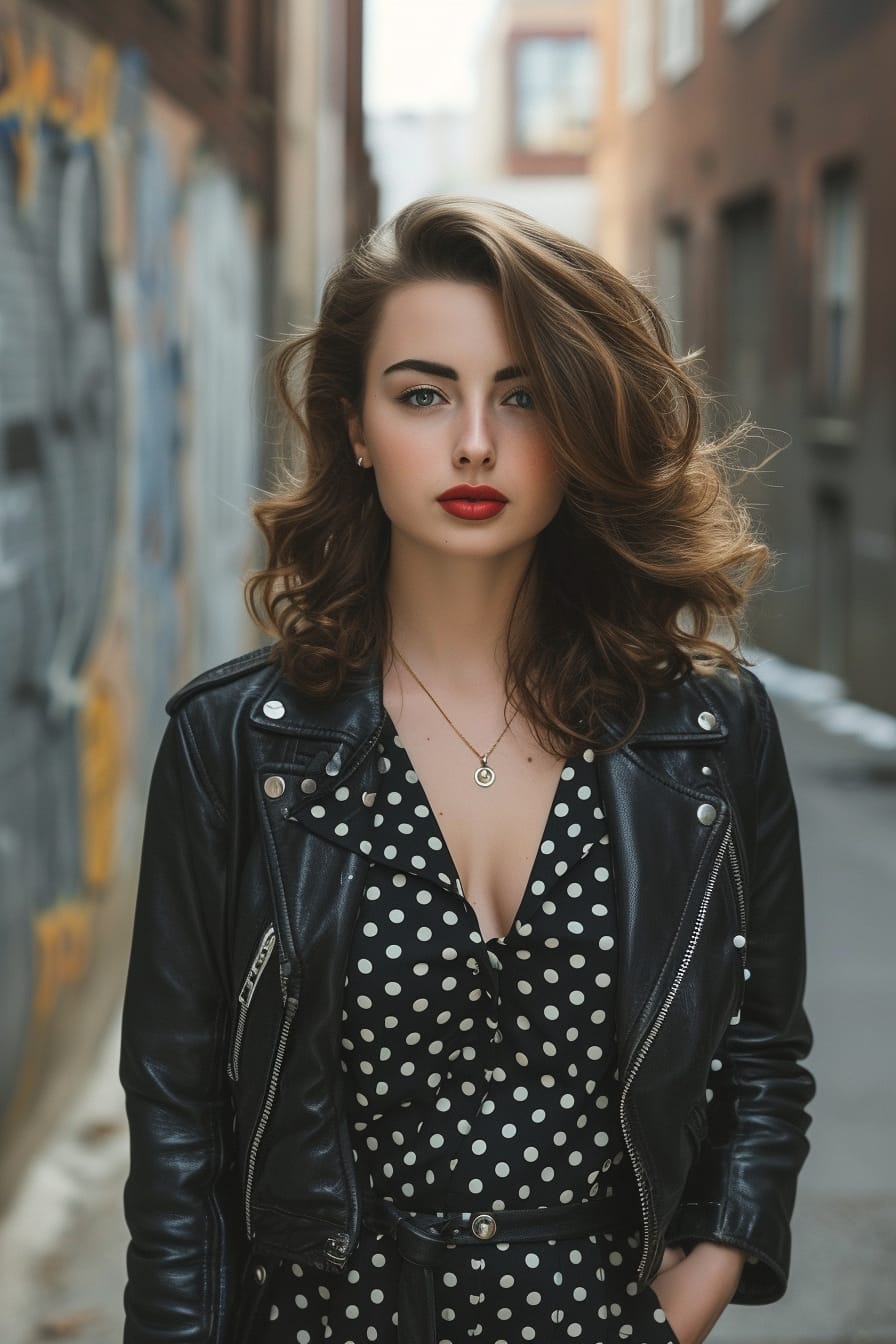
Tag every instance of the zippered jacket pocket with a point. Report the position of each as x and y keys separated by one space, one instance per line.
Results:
x=250 y=984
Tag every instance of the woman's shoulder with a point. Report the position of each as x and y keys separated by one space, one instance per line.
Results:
x=710 y=703
x=246 y=667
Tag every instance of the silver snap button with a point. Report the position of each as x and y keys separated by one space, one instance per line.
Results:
x=707 y=770
x=260 y=1273
x=707 y=721
x=746 y=972
x=739 y=940
x=334 y=764
x=274 y=709
x=368 y=799
x=484 y=1226
x=309 y=786
x=715 y=1065
x=706 y=814
x=275 y=786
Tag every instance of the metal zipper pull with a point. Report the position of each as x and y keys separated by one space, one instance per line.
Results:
x=259 y=961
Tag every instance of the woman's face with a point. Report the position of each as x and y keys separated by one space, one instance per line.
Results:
x=445 y=406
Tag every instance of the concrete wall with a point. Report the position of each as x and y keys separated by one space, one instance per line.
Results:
x=129 y=318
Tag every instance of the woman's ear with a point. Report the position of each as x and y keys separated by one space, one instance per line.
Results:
x=354 y=428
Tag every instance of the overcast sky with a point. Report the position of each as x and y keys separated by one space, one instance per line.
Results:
x=419 y=54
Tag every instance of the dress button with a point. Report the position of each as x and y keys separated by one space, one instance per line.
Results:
x=707 y=721
x=309 y=785
x=739 y=940
x=260 y=1273
x=484 y=1226
x=706 y=814
x=274 y=709
x=275 y=786
x=707 y=770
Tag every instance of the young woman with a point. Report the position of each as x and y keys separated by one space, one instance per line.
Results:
x=465 y=997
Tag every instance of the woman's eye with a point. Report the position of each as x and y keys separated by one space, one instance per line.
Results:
x=521 y=398
x=421 y=397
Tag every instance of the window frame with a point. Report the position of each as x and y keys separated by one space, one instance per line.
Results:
x=522 y=161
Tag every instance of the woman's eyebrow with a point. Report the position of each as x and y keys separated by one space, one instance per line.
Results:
x=445 y=371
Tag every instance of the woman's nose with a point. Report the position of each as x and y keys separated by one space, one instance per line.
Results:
x=474 y=442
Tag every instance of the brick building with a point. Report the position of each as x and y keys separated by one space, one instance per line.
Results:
x=744 y=163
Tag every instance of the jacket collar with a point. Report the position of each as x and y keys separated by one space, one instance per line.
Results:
x=339 y=731
x=682 y=714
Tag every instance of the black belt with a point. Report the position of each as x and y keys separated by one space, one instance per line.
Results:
x=424 y=1238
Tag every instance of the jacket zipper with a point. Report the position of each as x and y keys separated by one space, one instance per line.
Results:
x=250 y=984
x=648 y=1042
x=742 y=909
x=336 y=1246
x=289 y=1012
x=739 y=887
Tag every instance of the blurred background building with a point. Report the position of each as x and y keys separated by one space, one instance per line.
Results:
x=744 y=157
x=175 y=179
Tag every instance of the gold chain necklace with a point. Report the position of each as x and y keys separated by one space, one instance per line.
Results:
x=484 y=775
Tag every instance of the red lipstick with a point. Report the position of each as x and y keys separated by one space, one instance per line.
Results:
x=472 y=501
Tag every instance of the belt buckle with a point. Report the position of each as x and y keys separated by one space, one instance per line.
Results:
x=483 y=1226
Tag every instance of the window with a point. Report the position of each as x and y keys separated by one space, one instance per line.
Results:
x=553 y=79
x=738 y=14
x=681 y=42
x=746 y=296
x=832 y=580
x=635 y=56
x=216 y=16
x=671 y=278
x=838 y=291
x=262 y=48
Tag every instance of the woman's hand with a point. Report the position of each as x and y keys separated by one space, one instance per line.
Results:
x=695 y=1289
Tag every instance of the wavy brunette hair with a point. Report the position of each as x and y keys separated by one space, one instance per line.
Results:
x=650 y=554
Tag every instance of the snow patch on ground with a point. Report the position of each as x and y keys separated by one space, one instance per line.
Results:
x=822 y=698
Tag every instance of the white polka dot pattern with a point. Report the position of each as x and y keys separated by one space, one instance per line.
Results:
x=480 y=1075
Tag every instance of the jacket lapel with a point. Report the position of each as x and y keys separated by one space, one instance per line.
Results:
x=662 y=852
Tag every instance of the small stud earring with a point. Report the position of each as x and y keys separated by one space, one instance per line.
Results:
x=361 y=461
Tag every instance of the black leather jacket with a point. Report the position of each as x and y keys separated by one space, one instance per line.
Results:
x=241 y=1152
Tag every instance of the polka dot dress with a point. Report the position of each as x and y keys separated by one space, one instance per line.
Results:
x=480 y=1074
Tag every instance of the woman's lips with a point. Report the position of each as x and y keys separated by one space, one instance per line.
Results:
x=472 y=502
x=473 y=508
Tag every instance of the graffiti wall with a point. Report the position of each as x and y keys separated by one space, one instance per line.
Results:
x=128 y=330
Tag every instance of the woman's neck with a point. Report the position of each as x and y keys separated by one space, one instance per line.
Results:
x=450 y=617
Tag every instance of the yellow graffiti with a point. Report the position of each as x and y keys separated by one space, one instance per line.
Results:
x=101 y=774
x=31 y=94
x=63 y=946
x=64 y=938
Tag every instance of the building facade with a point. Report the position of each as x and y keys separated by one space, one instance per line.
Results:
x=539 y=84
x=152 y=155
x=744 y=162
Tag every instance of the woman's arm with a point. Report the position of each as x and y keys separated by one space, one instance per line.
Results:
x=182 y=1194
x=694 y=1290
x=741 y=1190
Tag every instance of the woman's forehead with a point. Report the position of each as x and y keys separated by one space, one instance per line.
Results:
x=432 y=319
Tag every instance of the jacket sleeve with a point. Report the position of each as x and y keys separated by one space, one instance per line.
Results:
x=182 y=1194
x=741 y=1190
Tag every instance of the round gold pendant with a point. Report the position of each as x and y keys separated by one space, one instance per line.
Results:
x=484 y=776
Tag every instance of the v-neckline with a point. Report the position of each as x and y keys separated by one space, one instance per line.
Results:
x=557 y=797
